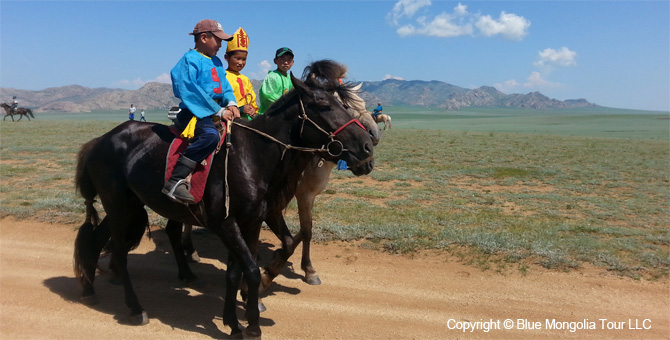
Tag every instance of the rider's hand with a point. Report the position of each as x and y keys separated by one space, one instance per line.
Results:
x=248 y=109
x=233 y=111
x=228 y=113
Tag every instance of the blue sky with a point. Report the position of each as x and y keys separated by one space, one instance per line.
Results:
x=612 y=53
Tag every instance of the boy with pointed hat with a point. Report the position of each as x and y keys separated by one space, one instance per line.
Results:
x=236 y=56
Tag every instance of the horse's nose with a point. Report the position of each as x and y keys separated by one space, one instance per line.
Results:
x=368 y=148
x=374 y=136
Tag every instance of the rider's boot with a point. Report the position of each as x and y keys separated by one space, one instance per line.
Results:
x=177 y=188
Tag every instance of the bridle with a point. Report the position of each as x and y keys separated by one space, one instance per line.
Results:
x=334 y=147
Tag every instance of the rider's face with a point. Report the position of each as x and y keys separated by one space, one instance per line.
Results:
x=209 y=46
x=236 y=61
x=284 y=63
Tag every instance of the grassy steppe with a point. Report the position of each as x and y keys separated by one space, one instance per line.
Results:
x=501 y=189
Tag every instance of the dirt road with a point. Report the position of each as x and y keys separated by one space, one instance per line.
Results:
x=365 y=295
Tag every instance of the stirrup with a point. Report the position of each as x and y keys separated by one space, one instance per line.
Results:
x=170 y=193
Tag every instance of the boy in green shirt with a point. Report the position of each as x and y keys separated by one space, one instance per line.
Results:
x=278 y=81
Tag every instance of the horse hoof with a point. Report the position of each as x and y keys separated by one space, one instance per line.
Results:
x=312 y=279
x=249 y=335
x=237 y=332
x=139 y=319
x=89 y=300
x=194 y=257
x=266 y=280
x=261 y=307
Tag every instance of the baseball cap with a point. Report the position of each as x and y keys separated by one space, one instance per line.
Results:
x=209 y=25
x=280 y=52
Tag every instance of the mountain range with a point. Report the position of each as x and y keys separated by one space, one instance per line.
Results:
x=391 y=92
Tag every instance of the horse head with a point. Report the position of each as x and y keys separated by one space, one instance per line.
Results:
x=328 y=74
x=326 y=122
x=356 y=106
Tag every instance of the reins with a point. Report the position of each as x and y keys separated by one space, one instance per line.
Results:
x=334 y=148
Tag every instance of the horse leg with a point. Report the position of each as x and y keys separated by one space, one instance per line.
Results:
x=187 y=243
x=312 y=183
x=241 y=264
x=305 y=205
x=173 y=230
x=265 y=277
x=127 y=230
x=276 y=223
x=233 y=279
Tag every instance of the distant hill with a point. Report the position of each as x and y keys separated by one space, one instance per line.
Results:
x=75 y=98
x=450 y=97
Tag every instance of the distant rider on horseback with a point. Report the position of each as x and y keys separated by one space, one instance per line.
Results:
x=15 y=104
x=377 y=111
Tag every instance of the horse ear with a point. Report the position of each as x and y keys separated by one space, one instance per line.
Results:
x=299 y=86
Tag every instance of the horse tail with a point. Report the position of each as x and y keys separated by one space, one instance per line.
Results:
x=82 y=245
x=84 y=183
x=30 y=112
x=389 y=117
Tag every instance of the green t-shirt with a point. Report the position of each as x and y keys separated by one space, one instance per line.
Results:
x=274 y=86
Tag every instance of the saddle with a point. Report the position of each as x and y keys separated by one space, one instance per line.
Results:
x=198 y=178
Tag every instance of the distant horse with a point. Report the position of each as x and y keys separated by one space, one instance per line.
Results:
x=325 y=73
x=383 y=118
x=18 y=111
x=125 y=166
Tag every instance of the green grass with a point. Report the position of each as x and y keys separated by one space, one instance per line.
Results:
x=500 y=189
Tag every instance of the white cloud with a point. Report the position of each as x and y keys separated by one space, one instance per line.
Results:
x=507 y=86
x=264 y=67
x=442 y=26
x=388 y=76
x=163 y=78
x=509 y=26
x=125 y=83
x=139 y=82
x=536 y=79
x=457 y=23
x=549 y=58
x=406 y=8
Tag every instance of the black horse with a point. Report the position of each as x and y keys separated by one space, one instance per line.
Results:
x=18 y=111
x=124 y=167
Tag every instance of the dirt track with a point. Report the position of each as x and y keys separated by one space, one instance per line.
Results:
x=365 y=295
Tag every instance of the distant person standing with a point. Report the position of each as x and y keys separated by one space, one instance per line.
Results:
x=142 y=119
x=277 y=82
x=131 y=112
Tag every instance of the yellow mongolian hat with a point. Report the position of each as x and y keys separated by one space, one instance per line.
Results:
x=240 y=41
